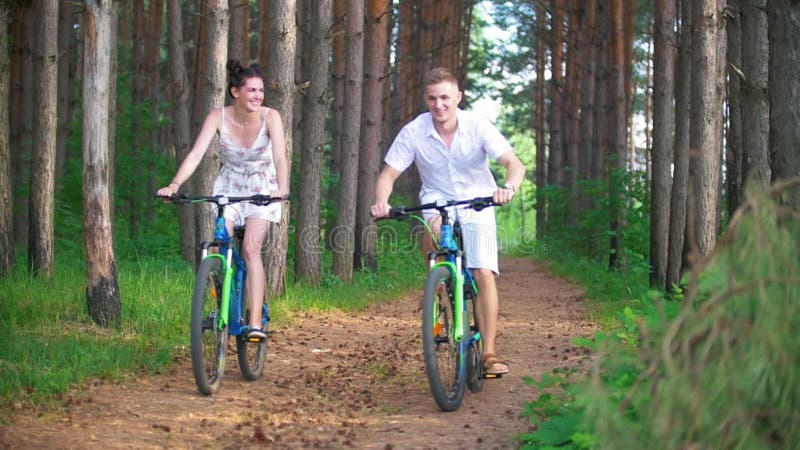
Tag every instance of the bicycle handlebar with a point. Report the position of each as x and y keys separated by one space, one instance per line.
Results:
x=477 y=203
x=220 y=200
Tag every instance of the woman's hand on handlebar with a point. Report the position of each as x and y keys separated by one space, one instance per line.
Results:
x=166 y=192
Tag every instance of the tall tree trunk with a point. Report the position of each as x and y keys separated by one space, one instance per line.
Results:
x=784 y=95
x=407 y=97
x=102 y=291
x=153 y=59
x=343 y=238
x=263 y=20
x=239 y=31
x=375 y=69
x=571 y=104
x=138 y=143
x=617 y=156
x=663 y=138
x=307 y=243
x=734 y=152
x=705 y=132
x=539 y=120
x=680 y=173
x=7 y=251
x=301 y=69
x=588 y=83
x=280 y=95
x=755 y=96
x=555 y=161
x=41 y=256
x=181 y=122
x=200 y=63
x=66 y=25
x=600 y=132
x=22 y=119
x=339 y=64
x=213 y=96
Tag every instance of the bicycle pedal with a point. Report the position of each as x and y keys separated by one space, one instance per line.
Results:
x=255 y=339
x=492 y=375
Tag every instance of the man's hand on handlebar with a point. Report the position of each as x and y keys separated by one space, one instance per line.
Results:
x=380 y=210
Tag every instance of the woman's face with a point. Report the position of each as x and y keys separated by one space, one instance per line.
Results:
x=251 y=94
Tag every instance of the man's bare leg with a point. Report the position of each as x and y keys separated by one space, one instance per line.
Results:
x=487 y=308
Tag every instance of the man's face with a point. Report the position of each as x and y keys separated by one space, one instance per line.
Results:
x=442 y=100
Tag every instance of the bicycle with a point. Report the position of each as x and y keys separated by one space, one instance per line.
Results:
x=219 y=308
x=451 y=339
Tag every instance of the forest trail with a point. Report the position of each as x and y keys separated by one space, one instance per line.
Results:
x=332 y=380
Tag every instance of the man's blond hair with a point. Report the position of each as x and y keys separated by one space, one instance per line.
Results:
x=438 y=75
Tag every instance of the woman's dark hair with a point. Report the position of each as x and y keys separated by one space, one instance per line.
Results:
x=238 y=75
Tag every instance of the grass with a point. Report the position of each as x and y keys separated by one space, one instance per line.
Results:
x=49 y=344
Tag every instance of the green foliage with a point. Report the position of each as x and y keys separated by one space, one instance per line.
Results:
x=719 y=370
x=579 y=223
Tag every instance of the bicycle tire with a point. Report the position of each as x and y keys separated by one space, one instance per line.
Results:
x=208 y=342
x=251 y=355
x=443 y=356
x=475 y=373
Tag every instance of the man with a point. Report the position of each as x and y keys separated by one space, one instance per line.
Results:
x=450 y=147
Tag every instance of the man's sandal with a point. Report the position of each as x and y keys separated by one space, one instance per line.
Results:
x=488 y=362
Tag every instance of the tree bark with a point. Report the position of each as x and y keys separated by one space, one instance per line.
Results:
x=588 y=83
x=181 y=122
x=279 y=93
x=343 y=237
x=755 y=95
x=308 y=247
x=555 y=162
x=618 y=135
x=705 y=132
x=153 y=59
x=539 y=119
x=213 y=96
x=375 y=69
x=22 y=118
x=41 y=253
x=663 y=138
x=263 y=15
x=338 y=82
x=784 y=95
x=66 y=25
x=680 y=176
x=239 y=31
x=7 y=251
x=102 y=292
x=734 y=152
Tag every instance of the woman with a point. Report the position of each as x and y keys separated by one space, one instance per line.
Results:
x=252 y=149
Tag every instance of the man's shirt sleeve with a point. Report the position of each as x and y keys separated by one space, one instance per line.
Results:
x=401 y=154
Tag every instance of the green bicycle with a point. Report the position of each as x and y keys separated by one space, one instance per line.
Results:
x=219 y=308
x=451 y=339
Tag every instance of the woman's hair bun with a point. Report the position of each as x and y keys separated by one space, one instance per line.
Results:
x=233 y=66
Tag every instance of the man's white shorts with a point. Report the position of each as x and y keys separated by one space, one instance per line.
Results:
x=480 y=237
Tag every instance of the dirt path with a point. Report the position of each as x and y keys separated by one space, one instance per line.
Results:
x=333 y=381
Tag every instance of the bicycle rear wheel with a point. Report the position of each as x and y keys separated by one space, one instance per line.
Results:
x=208 y=341
x=251 y=354
x=443 y=355
x=474 y=351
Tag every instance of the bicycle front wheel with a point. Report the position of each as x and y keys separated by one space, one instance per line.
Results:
x=444 y=357
x=251 y=353
x=208 y=341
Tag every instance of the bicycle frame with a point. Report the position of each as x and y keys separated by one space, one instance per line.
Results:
x=233 y=276
x=453 y=261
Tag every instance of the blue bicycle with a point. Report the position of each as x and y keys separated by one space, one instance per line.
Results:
x=451 y=340
x=219 y=306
